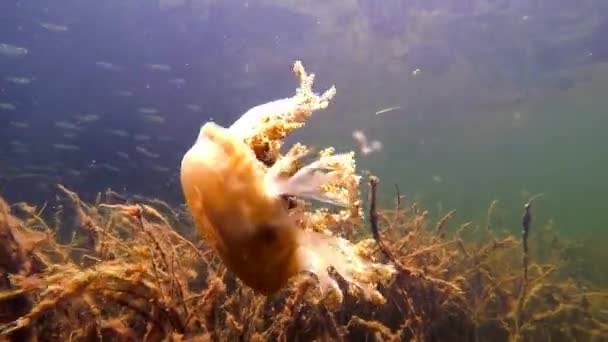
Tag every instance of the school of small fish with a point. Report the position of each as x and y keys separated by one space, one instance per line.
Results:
x=70 y=130
x=135 y=130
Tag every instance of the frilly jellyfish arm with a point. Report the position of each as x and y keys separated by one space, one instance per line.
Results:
x=247 y=125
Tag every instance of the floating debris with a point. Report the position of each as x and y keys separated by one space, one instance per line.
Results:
x=437 y=179
x=366 y=147
x=12 y=50
x=519 y=119
x=516 y=116
x=389 y=109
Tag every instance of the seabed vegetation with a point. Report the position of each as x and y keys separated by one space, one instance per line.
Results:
x=135 y=269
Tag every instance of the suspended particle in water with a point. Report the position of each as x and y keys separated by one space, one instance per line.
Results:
x=366 y=147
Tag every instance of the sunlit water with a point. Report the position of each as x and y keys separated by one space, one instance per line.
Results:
x=495 y=102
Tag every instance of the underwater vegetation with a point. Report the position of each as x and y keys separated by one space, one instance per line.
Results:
x=132 y=269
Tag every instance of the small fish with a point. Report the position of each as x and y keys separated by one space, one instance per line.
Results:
x=17 y=143
x=18 y=80
x=123 y=155
x=67 y=125
x=386 y=110
x=154 y=118
x=146 y=152
x=141 y=137
x=73 y=173
x=20 y=124
x=107 y=66
x=7 y=106
x=164 y=138
x=124 y=93
x=118 y=132
x=160 y=168
x=158 y=67
x=12 y=50
x=54 y=27
x=20 y=150
x=108 y=167
x=178 y=82
x=87 y=117
x=148 y=110
x=194 y=107
x=67 y=147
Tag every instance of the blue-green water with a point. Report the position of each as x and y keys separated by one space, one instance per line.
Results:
x=497 y=100
x=464 y=159
x=467 y=105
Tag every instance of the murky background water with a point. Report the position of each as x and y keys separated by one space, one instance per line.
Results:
x=478 y=100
